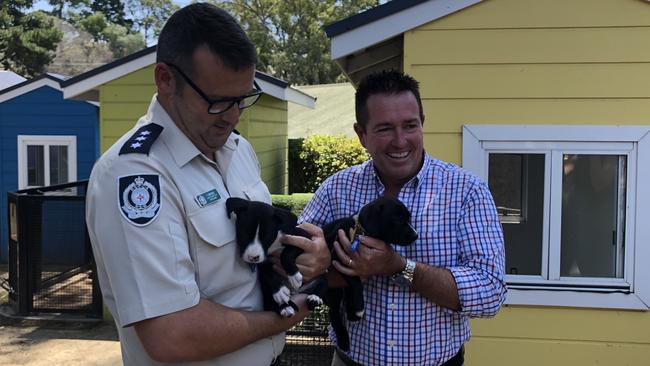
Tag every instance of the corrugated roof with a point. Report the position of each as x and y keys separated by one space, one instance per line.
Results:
x=333 y=114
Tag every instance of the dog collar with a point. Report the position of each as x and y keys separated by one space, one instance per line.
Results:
x=358 y=230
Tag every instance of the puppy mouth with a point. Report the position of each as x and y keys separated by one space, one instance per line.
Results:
x=399 y=155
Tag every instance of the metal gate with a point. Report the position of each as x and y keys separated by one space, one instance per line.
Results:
x=51 y=266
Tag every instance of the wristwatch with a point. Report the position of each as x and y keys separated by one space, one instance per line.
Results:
x=405 y=278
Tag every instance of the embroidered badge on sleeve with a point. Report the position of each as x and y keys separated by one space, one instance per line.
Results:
x=139 y=198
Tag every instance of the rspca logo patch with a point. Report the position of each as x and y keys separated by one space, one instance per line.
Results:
x=139 y=198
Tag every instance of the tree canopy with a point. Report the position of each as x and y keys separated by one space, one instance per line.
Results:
x=289 y=36
x=27 y=40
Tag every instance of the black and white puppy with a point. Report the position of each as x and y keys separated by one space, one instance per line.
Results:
x=386 y=219
x=258 y=227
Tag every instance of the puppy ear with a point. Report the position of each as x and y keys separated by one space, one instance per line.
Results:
x=236 y=205
x=286 y=219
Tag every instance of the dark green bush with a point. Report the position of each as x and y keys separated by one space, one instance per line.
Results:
x=321 y=156
x=293 y=202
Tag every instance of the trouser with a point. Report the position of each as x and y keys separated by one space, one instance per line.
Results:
x=341 y=359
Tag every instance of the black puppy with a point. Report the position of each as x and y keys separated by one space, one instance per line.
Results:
x=385 y=218
x=258 y=227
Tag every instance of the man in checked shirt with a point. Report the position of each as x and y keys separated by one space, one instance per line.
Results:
x=418 y=298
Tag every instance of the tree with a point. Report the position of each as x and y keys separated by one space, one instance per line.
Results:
x=78 y=51
x=119 y=39
x=149 y=16
x=58 y=6
x=289 y=35
x=113 y=10
x=27 y=41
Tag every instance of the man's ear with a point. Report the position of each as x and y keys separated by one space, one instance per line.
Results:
x=236 y=205
x=165 y=79
x=361 y=133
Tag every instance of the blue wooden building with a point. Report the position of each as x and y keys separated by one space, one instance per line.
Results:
x=44 y=140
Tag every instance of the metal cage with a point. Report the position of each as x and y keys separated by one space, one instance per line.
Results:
x=51 y=266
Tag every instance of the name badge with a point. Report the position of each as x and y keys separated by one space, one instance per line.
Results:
x=207 y=198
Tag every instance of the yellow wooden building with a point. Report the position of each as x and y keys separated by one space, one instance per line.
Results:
x=549 y=101
x=124 y=89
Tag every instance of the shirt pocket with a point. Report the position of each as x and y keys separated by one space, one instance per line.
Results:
x=258 y=192
x=216 y=250
x=212 y=224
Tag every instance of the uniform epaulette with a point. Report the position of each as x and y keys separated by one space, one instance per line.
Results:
x=142 y=139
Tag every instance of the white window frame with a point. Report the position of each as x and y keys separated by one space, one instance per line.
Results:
x=631 y=292
x=46 y=141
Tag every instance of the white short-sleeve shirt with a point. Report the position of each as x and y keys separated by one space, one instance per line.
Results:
x=162 y=240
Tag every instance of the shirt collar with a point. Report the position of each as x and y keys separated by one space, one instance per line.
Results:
x=415 y=182
x=180 y=146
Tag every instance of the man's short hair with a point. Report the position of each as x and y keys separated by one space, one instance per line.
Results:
x=204 y=24
x=383 y=82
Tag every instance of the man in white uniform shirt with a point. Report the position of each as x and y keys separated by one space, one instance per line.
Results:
x=166 y=255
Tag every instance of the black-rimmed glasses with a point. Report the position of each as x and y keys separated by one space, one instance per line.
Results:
x=218 y=106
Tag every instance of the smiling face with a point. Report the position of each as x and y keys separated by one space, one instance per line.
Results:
x=393 y=137
x=189 y=110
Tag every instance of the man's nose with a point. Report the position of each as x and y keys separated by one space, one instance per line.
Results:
x=400 y=138
x=232 y=114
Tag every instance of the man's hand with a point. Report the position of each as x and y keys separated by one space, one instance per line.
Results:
x=315 y=258
x=373 y=257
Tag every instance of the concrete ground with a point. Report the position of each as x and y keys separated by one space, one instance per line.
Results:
x=51 y=341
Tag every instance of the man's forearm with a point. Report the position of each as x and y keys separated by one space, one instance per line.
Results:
x=437 y=285
x=208 y=330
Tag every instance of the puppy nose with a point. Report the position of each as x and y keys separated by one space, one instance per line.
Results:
x=254 y=258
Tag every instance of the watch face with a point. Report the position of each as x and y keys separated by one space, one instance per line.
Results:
x=402 y=281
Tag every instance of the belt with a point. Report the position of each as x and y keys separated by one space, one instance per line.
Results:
x=457 y=360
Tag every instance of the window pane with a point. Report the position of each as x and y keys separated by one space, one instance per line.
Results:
x=517 y=185
x=593 y=187
x=58 y=164
x=35 y=166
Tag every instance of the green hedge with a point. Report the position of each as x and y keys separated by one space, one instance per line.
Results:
x=293 y=202
x=315 y=158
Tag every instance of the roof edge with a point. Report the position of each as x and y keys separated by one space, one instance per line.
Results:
x=368 y=16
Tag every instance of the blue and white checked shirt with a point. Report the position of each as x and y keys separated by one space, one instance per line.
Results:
x=455 y=217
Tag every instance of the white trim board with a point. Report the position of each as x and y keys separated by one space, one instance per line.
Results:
x=477 y=140
x=395 y=24
x=24 y=140
x=30 y=87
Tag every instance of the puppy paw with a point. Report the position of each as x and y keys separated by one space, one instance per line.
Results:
x=295 y=280
x=282 y=296
x=287 y=312
x=314 y=301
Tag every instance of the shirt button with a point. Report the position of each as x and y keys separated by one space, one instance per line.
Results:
x=391 y=343
x=391 y=306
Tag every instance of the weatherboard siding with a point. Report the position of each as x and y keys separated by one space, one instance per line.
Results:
x=538 y=62
x=126 y=99
x=42 y=111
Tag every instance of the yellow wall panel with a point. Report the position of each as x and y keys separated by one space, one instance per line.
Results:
x=444 y=146
x=630 y=80
x=130 y=93
x=538 y=45
x=144 y=76
x=566 y=324
x=538 y=62
x=547 y=13
x=545 y=352
x=448 y=115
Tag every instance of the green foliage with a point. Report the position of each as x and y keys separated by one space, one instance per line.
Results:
x=289 y=35
x=324 y=155
x=27 y=40
x=149 y=16
x=119 y=39
x=292 y=202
